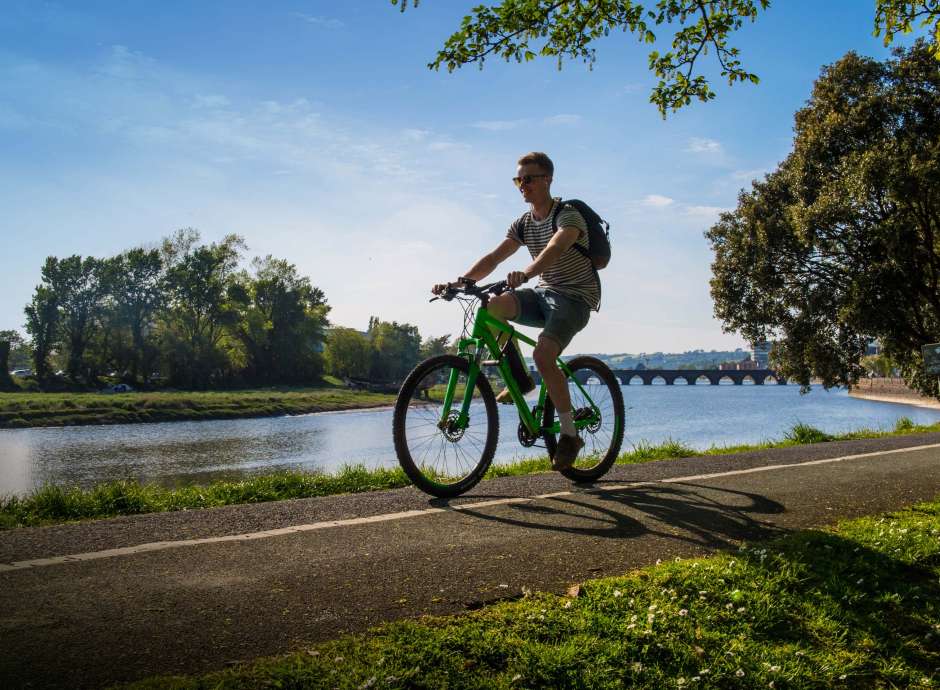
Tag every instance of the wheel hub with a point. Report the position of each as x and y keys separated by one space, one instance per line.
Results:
x=583 y=413
x=453 y=432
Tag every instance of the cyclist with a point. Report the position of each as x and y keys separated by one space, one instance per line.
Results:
x=562 y=301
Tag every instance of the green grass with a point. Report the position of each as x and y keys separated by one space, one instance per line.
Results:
x=857 y=606
x=54 y=504
x=18 y=410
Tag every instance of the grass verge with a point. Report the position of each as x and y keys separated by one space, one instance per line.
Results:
x=19 y=410
x=56 y=504
x=857 y=606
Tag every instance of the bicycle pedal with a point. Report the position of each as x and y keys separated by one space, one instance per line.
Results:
x=490 y=363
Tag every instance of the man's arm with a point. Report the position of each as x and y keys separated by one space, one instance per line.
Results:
x=560 y=243
x=488 y=263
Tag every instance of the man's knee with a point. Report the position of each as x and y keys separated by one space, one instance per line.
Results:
x=545 y=353
x=503 y=306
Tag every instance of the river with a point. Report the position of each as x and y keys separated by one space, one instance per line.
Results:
x=176 y=453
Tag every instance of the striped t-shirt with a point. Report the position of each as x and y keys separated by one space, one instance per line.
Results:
x=572 y=274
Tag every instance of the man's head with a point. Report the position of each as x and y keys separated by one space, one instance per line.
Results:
x=534 y=177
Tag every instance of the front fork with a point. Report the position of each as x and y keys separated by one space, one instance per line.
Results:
x=582 y=418
x=463 y=417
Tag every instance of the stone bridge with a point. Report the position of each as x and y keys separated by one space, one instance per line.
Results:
x=690 y=377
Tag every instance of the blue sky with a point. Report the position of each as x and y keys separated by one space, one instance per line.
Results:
x=315 y=130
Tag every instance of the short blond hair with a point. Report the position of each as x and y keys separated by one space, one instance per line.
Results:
x=540 y=159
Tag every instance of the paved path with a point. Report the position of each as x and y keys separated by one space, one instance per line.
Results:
x=193 y=591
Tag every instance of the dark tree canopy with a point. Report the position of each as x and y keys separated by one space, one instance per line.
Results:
x=522 y=30
x=842 y=242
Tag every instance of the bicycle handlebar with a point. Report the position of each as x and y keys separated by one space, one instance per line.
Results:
x=469 y=287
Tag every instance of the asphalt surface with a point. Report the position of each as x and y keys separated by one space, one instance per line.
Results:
x=191 y=608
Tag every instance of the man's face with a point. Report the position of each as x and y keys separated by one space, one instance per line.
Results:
x=536 y=188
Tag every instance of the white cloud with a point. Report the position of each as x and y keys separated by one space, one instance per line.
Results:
x=562 y=119
x=749 y=175
x=210 y=100
x=499 y=125
x=706 y=146
x=707 y=212
x=447 y=145
x=323 y=22
x=657 y=201
x=415 y=134
x=124 y=63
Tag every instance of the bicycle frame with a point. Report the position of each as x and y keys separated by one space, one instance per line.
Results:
x=483 y=340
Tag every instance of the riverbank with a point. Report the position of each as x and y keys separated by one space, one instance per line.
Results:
x=892 y=390
x=855 y=605
x=21 y=410
x=57 y=504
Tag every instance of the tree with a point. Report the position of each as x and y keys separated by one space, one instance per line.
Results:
x=281 y=322
x=878 y=365
x=348 y=353
x=842 y=242
x=395 y=349
x=73 y=288
x=20 y=351
x=136 y=290
x=521 y=30
x=198 y=315
x=42 y=323
x=436 y=346
x=6 y=383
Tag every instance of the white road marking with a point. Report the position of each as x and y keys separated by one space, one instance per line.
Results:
x=329 y=524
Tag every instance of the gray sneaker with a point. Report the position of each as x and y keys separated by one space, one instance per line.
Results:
x=567 y=451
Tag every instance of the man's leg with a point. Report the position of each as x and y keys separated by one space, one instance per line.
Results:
x=546 y=352
x=569 y=443
x=505 y=307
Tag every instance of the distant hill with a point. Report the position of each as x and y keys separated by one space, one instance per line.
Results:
x=693 y=359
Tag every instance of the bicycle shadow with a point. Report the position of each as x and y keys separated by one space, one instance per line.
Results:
x=705 y=516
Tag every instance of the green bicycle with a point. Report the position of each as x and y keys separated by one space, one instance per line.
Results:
x=446 y=422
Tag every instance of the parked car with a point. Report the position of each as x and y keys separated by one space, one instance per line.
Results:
x=21 y=373
x=118 y=388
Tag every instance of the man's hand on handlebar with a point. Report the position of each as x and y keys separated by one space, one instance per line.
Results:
x=515 y=279
x=441 y=288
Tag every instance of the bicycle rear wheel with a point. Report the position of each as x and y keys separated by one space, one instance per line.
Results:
x=603 y=436
x=441 y=456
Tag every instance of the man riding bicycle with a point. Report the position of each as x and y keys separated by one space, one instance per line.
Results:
x=562 y=301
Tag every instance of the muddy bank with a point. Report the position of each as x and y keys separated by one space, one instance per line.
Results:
x=892 y=390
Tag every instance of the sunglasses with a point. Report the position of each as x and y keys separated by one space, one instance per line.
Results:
x=526 y=179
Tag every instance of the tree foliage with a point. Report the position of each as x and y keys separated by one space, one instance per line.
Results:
x=281 y=321
x=20 y=351
x=396 y=349
x=348 y=353
x=842 y=242
x=185 y=311
x=522 y=30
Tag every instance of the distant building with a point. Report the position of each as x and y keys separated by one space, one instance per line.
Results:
x=760 y=353
x=873 y=347
x=745 y=364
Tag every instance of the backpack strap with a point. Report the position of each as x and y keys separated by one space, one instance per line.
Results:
x=577 y=247
x=581 y=250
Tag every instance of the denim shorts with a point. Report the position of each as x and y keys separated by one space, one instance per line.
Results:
x=559 y=316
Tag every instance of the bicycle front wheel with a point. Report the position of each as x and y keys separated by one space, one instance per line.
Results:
x=442 y=455
x=599 y=399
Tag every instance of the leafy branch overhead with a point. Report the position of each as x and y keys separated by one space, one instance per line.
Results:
x=522 y=30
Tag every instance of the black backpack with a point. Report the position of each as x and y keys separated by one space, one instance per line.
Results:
x=598 y=250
